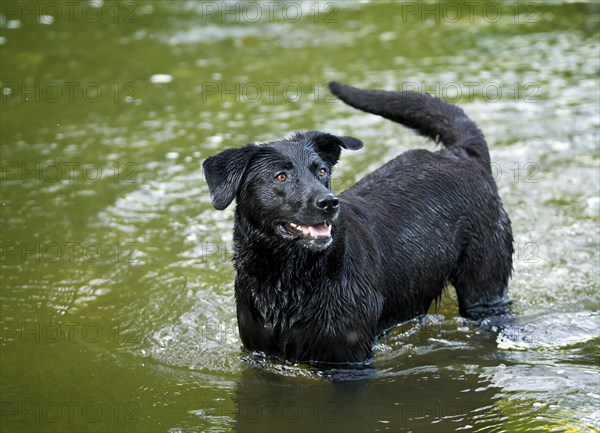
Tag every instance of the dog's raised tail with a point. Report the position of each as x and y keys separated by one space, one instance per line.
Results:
x=428 y=115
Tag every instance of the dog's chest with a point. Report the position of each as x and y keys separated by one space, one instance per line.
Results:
x=281 y=297
x=283 y=292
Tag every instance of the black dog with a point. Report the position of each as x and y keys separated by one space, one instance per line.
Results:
x=319 y=276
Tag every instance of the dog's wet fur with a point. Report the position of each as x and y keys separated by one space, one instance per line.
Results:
x=319 y=275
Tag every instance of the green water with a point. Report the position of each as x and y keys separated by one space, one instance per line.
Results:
x=117 y=306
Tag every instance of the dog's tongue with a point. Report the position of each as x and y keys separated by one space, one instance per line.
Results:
x=317 y=231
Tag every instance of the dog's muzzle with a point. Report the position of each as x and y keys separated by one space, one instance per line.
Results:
x=315 y=236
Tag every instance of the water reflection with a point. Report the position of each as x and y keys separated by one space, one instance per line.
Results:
x=425 y=399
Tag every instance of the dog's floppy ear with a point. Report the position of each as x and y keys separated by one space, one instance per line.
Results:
x=328 y=145
x=223 y=173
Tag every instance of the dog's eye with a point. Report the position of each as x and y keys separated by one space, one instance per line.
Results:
x=322 y=172
x=281 y=177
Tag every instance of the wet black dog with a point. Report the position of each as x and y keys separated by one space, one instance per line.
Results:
x=319 y=276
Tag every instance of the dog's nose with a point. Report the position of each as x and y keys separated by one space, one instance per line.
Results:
x=327 y=202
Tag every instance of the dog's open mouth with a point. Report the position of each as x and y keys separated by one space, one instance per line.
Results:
x=316 y=231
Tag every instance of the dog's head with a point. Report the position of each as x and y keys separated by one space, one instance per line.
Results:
x=282 y=188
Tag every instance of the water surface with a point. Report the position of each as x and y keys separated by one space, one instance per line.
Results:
x=117 y=301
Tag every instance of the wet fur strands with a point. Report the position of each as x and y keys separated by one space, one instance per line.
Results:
x=320 y=275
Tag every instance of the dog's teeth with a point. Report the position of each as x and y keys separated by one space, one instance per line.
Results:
x=296 y=227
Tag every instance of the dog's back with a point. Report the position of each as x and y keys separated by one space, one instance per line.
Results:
x=451 y=199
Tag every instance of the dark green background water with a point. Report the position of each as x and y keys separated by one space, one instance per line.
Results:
x=117 y=304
